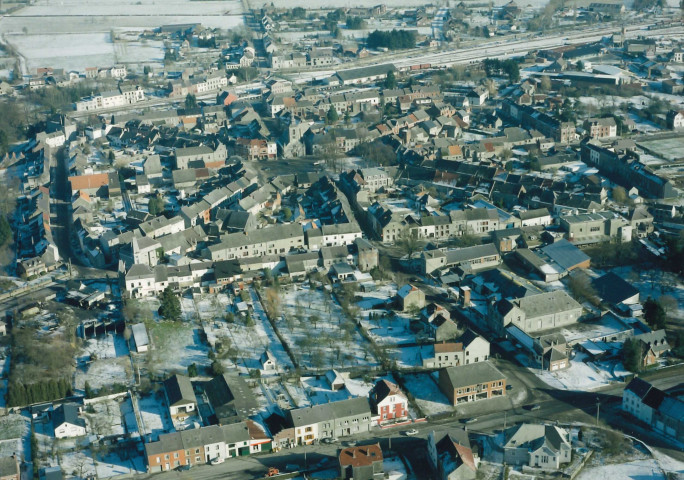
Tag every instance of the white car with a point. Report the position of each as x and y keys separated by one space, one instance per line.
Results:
x=218 y=460
x=410 y=433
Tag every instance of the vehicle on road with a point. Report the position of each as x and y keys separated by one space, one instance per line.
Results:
x=272 y=472
x=411 y=432
x=534 y=407
x=183 y=468
x=468 y=421
x=330 y=440
x=217 y=460
x=350 y=443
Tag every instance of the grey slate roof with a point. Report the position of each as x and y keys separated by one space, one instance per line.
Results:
x=565 y=254
x=67 y=413
x=328 y=411
x=467 y=375
x=179 y=390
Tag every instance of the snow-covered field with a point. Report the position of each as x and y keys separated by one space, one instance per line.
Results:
x=75 y=34
x=330 y=339
x=176 y=346
x=106 y=420
x=646 y=469
x=113 y=465
x=428 y=396
x=582 y=376
x=408 y=357
x=78 y=464
x=102 y=373
x=389 y=330
x=155 y=416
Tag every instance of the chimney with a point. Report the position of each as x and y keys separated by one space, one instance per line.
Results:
x=465 y=296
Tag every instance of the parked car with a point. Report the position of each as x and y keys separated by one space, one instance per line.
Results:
x=468 y=421
x=218 y=460
x=183 y=468
x=411 y=432
x=534 y=407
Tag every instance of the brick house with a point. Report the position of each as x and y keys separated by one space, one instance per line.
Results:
x=470 y=383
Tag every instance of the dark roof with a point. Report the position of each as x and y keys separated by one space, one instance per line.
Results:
x=231 y=398
x=179 y=390
x=614 y=289
x=67 y=413
x=639 y=387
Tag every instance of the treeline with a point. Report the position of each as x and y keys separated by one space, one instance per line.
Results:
x=394 y=40
x=495 y=68
x=43 y=391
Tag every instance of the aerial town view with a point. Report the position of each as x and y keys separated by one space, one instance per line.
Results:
x=405 y=240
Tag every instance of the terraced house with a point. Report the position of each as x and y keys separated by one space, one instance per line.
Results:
x=330 y=420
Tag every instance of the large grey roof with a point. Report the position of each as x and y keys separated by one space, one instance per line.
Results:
x=546 y=303
x=233 y=240
x=470 y=253
x=565 y=254
x=326 y=412
x=467 y=375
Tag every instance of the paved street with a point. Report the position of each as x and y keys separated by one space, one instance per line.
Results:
x=554 y=405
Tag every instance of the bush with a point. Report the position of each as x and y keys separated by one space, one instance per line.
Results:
x=394 y=40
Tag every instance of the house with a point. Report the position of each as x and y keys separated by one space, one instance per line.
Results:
x=653 y=346
x=535 y=313
x=478 y=96
x=410 y=297
x=539 y=216
x=335 y=380
x=590 y=228
x=675 y=119
x=663 y=412
x=140 y=338
x=49 y=473
x=268 y=361
x=388 y=403
x=364 y=74
x=180 y=397
x=601 y=127
x=362 y=463
x=66 y=422
x=330 y=420
x=230 y=398
x=451 y=456
x=538 y=446
x=468 y=348
x=9 y=468
x=470 y=383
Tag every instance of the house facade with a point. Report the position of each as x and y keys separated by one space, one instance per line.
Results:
x=470 y=383
x=388 y=402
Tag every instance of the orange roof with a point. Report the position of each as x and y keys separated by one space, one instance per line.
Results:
x=455 y=150
x=448 y=347
x=361 y=456
x=86 y=182
x=466 y=455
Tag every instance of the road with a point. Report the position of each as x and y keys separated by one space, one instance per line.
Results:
x=554 y=406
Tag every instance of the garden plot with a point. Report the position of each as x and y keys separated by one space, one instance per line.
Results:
x=104 y=418
x=319 y=391
x=129 y=417
x=390 y=329
x=155 y=416
x=213 y=307
x=78 y=464
x=411 y=357
x=13 y=428
x=176 y=346
x=119 y=463
x=582 y=376
x=428 y=396
x=104 y=373
x=249 y=338
x=381 y=296
x=106 y=346
x=646 y=469
x=319 y=333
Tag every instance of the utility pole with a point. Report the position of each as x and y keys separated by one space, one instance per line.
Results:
x=598 y=407
x=505 y=418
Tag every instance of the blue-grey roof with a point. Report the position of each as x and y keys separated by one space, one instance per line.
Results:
x=565 y=254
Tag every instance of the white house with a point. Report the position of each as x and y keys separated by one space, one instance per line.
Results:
x=66 y=421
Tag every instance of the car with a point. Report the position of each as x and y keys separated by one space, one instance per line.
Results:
x=509 y=387
x=468 y=421
x=411 y=432
x=350 y=443
x=329 y=440
x=183 y=468
x=217 y=460
x=534 y=407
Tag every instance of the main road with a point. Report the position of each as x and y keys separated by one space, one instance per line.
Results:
x=564 y=407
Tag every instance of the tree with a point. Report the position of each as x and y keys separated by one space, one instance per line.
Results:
x=88 y=390
x=654 y=314
x=409 y=243
x=631 y=354
x=5 y=231
x=156 y=205
x=391 y=80
x=332 y=117
x=216 y=368
x=170 y=308
x=190 y=101
x=111 y=156
x=581 y=288
x=287 y=213
x=620 y=195
x=669 y=303
x=545 y=84
x=580 y=65
x=192 y=370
